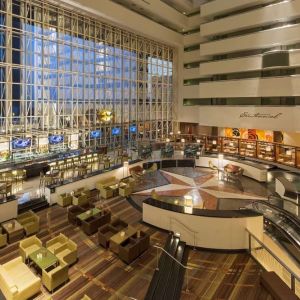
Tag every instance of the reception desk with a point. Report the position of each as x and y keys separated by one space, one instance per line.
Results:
x=211 y=229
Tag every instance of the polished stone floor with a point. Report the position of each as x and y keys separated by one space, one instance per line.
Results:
x=203 y=185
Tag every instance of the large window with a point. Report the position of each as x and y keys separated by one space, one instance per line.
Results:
x=59 y=70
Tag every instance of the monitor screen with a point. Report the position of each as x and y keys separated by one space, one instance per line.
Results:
x=115 y=131
x=56 y=139
x=132 y=129
x=21 y=143
x=96 y=134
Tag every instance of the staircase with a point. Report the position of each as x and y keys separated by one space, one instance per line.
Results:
x=34 y=205
x=167 y=281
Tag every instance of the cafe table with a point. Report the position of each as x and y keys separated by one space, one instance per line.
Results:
x=120 y=237
x=14 y=230
x=88 y=213
x=43 y=259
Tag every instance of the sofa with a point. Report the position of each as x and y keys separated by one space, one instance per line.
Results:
x=118 y=224
x=56 y=242
x=64 y=199
x=106 y=192
x=133 y=247
x=3 y=238
x=55 y=277
x=91 y=225
x=233 y=172
x=104 y=234
x=67 y=253
x=28 y=246
x=106 y=182
x=30 y=221
x=73 y=212
x=17 y=281
x=125 y=190
x=80 y=200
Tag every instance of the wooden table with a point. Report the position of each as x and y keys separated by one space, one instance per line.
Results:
x=120 y=237
x=47 y=259
x=86 y=215
x=14 y=230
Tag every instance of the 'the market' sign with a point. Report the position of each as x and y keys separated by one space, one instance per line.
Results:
x=260 y=116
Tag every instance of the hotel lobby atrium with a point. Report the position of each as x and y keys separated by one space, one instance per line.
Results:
x=149 y=149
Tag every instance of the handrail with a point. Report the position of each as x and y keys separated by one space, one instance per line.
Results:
x=186 y=227
x=165 y=251
x=293 y=275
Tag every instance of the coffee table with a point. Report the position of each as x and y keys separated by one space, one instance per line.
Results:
x=86 y=215
x=120 y=237
x=14 y=230
x=47 y=260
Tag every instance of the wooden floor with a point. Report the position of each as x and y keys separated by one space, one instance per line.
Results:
x=101 y=275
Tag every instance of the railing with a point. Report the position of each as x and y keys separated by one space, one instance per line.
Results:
x=270 y=261
x=262 y=150
x=177 y=261
x=186 y=227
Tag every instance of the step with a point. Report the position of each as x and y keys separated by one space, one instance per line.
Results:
x=161 y=263
x=164 y=271
x=170 y=287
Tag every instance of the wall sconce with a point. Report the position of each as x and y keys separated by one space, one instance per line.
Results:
x=182 y=140
x=198 y=141
x=168 y=140
x=178 y=132
x=231 y=144
x=171 y=133
x=198 y=153
x=214 y=142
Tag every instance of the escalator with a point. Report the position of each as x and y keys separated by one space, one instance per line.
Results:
x=281 y=225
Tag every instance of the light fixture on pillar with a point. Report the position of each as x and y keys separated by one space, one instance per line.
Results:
x=182 y=140
x=214 y=142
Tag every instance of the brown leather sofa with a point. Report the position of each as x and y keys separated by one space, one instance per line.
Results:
x=105 y=233
x=91 y=225
x=133 y=247
x=118 y=224
x=73 y=212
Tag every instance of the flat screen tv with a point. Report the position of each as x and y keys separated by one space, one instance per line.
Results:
x=132 y=129
x=96 y=134
x=56 y=139
x=21 y=143
x=116 y=131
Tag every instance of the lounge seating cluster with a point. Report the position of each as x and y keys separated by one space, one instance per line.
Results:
x=123 y=239
x=30 y=221
x=18 y=282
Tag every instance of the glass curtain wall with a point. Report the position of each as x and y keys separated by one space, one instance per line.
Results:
x=60 y=71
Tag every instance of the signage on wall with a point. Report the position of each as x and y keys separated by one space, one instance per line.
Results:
x=260 y=116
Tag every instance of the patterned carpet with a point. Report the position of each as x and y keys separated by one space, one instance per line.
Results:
x=101 y=275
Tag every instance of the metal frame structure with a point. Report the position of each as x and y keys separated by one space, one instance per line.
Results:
x=59 y=69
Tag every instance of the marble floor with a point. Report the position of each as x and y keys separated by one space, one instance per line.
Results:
x=207 y=191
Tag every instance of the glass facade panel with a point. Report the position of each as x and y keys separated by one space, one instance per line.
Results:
x=59 y=70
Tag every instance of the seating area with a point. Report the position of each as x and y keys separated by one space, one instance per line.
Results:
x=232 y=172
x=26 y=224
x=123 y=239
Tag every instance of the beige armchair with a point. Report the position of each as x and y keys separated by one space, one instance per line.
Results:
x=56 y=242
x=28 y=246
x=86 y=297
x=106 y=192
x=56 y=277
x=106 y=182
x=80 y=200
x=64 y=199
x=30 y=221
x=17 y=282
x=3 y=238
x=67 y=253
x=125 y=190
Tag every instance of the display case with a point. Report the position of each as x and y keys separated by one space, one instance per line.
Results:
x=286 y=155
x=213 y=144
x=266 y=151
x=230 y=145
x=298 y=157
x=248 y=148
